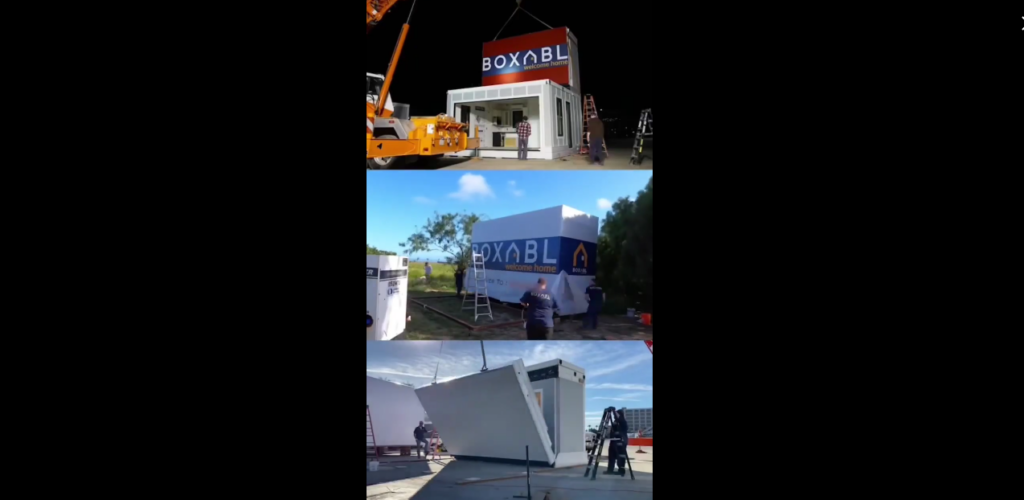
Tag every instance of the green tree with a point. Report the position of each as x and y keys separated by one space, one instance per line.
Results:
x=375 y=251
x=626 y=252
x=451 y=234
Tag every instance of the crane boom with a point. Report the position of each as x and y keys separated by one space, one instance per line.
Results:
x=375 y=10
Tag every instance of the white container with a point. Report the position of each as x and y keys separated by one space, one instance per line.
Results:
x=387 y=292
x=560 y=391
x=558 y=243
x=395 y=411
x=630 y=312
x=373 y=465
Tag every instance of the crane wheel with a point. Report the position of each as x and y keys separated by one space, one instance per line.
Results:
x=385 y=163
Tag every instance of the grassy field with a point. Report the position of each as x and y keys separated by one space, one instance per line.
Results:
x=442 y=279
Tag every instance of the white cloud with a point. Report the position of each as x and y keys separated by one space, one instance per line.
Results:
x=604 y=204
x=619 y=399
x=423 y=200
x=622 y=387
x=512 y=189
x=626 y=363
x=416 y=364
x=472 y=187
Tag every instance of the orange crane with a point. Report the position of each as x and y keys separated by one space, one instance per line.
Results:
x=390 y=139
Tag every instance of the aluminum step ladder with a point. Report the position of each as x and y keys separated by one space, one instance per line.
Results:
x=371 y=438
x=644 y=129
x=479 y=291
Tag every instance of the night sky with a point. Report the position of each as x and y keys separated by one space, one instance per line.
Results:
x=444 y=48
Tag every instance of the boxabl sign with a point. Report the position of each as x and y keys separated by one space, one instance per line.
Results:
x=513 y=266
x=530 y=60
x=540 y=256
x=545 y=55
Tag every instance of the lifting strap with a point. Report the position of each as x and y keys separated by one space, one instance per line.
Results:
x=519 y=7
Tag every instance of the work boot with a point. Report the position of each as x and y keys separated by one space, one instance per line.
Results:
x=622 y=472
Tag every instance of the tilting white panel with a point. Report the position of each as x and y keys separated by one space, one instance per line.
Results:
x=395 y=411
x=493 y=414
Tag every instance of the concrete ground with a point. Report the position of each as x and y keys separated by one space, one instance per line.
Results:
x=467 y=479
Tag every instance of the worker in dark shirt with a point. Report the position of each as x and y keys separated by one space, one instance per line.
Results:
x=617 y=450
x=595 y=137
x=460 y=274
x=420 y=433
x=595 y=300
x=539 y=310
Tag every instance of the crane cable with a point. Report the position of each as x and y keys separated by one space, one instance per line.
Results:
x=519 y=7
x=438 y=366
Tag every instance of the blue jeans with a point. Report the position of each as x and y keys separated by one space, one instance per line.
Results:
x=522 y=148
x=591 y=320
x=595 y=151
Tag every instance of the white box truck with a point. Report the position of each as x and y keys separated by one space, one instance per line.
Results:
x=387 y=290
x=558 y=243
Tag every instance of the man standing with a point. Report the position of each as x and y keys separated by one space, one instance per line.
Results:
x=524 y=136
x=460 y=274
x=617 y=450
x=428 y=270
x=540 y=308
x=595 y=137
x=420 y=433
x=595 y=300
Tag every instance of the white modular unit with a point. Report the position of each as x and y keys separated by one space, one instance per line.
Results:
x=553 y=111
x=560 y=391
x=490 y=415
x=387 y=290
x=558 y=243
x=395 y=411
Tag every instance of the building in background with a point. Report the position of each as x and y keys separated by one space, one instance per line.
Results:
x=639 y=419
x=534 y=75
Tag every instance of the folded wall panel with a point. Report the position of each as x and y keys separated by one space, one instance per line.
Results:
x=395 y=411
x=489 y=415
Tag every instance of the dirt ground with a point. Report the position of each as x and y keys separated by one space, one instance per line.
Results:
x=618 y=159
x=428 y=325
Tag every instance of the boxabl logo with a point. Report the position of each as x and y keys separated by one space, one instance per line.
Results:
x=539 y=255
x=527 y=60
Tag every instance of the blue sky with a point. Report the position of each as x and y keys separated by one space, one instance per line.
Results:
x=619 y=373
x=398 y=202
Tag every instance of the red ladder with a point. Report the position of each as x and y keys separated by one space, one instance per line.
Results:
x=371 y=438
x=435 y=443
x=589 y=108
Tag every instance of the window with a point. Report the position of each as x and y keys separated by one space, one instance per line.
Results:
x=558 y=110
x=539 y=394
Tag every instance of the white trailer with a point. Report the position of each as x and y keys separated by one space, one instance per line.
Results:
x=395 y=411
x=387 y=290
x=558 y=243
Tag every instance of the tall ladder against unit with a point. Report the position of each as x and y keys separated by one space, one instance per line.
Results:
x=479 y=290
x=371 y=438
x=644 y=129
x=590 y=109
